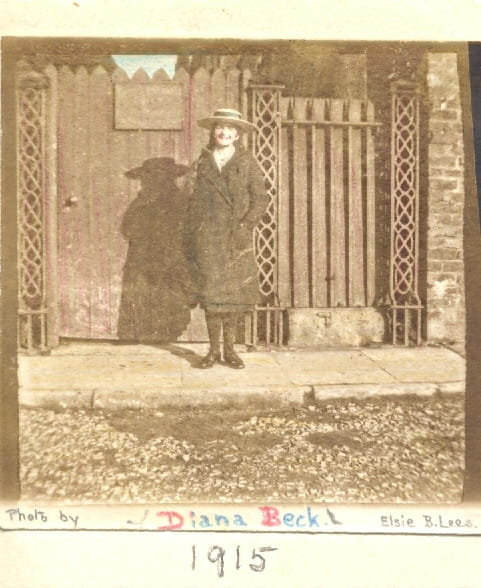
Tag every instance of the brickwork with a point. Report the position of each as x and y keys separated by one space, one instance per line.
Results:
x=445 y=268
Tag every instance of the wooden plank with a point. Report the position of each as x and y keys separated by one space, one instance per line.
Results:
x=119 y=75
x=300 y=220
x=155 y=143
x=245 y=79
x=283 y=231
x=370 y=211
x=79 y=254
x=318 y=220
x=217 y=90
x=245 y=97
x=186 y=135
x=120 y=198
x=160 y=76
x=337 y=212
x=176 y=147
x=201 y=109
x=248 y=328
x=139 y=151
x=276 y=327
x=66 y=167
x=268 y=328
x=100 y=199
x=165 y=143
x=51 y=214
x=141 y=76
x=356 y=292
x=232 y=94
x=281 y=327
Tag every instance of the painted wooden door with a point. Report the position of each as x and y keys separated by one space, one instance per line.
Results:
x=94 y=193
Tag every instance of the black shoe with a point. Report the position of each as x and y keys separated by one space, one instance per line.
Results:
x=233 y=360
x=210 y=359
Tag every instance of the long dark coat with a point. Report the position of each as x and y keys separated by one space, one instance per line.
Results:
x=225 y=207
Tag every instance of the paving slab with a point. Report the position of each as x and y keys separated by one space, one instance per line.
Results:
x=261 y=369
x=422 y=364
x=76 y=372
x=330 y=367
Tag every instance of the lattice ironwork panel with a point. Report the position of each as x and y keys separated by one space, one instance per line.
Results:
x=405 y=209
x=30 y=196
x=265 y=115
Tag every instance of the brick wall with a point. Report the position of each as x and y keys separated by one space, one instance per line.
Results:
x=445 y=271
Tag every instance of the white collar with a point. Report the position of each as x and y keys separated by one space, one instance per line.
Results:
x=222 y=156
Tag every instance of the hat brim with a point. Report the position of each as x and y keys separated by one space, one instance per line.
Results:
x=242 y=124
x=139 y=172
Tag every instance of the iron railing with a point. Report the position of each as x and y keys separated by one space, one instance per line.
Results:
x=405 y=302
x=32 y=298
x=265 y=114
x=267 y=325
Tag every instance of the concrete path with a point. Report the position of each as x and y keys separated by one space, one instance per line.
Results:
x=104 y=375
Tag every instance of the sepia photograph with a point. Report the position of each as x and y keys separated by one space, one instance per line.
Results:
x=240 y=269
x=240 y=312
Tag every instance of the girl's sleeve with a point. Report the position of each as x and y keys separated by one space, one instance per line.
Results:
x=259 y=198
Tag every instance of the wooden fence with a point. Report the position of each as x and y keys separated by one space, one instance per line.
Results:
x=326 y=209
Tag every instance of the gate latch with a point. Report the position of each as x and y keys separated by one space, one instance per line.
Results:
x=69 y=202
x=326 y=317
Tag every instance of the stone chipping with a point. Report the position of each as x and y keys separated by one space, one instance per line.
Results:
x=375 y=450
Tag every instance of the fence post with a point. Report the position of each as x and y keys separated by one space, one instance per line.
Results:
x=405 y=303
x=265 y=114
x=51 y=217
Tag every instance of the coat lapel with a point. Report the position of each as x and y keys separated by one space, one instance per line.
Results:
x=211 y=172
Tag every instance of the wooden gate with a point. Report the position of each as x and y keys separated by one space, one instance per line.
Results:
x=316 y=243
x=97 y=144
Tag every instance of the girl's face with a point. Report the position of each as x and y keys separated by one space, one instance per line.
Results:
x=225 y=135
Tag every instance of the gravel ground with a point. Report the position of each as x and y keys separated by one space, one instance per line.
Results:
x=376 y=450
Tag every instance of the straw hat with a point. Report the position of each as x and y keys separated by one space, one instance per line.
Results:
x=227 y=116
